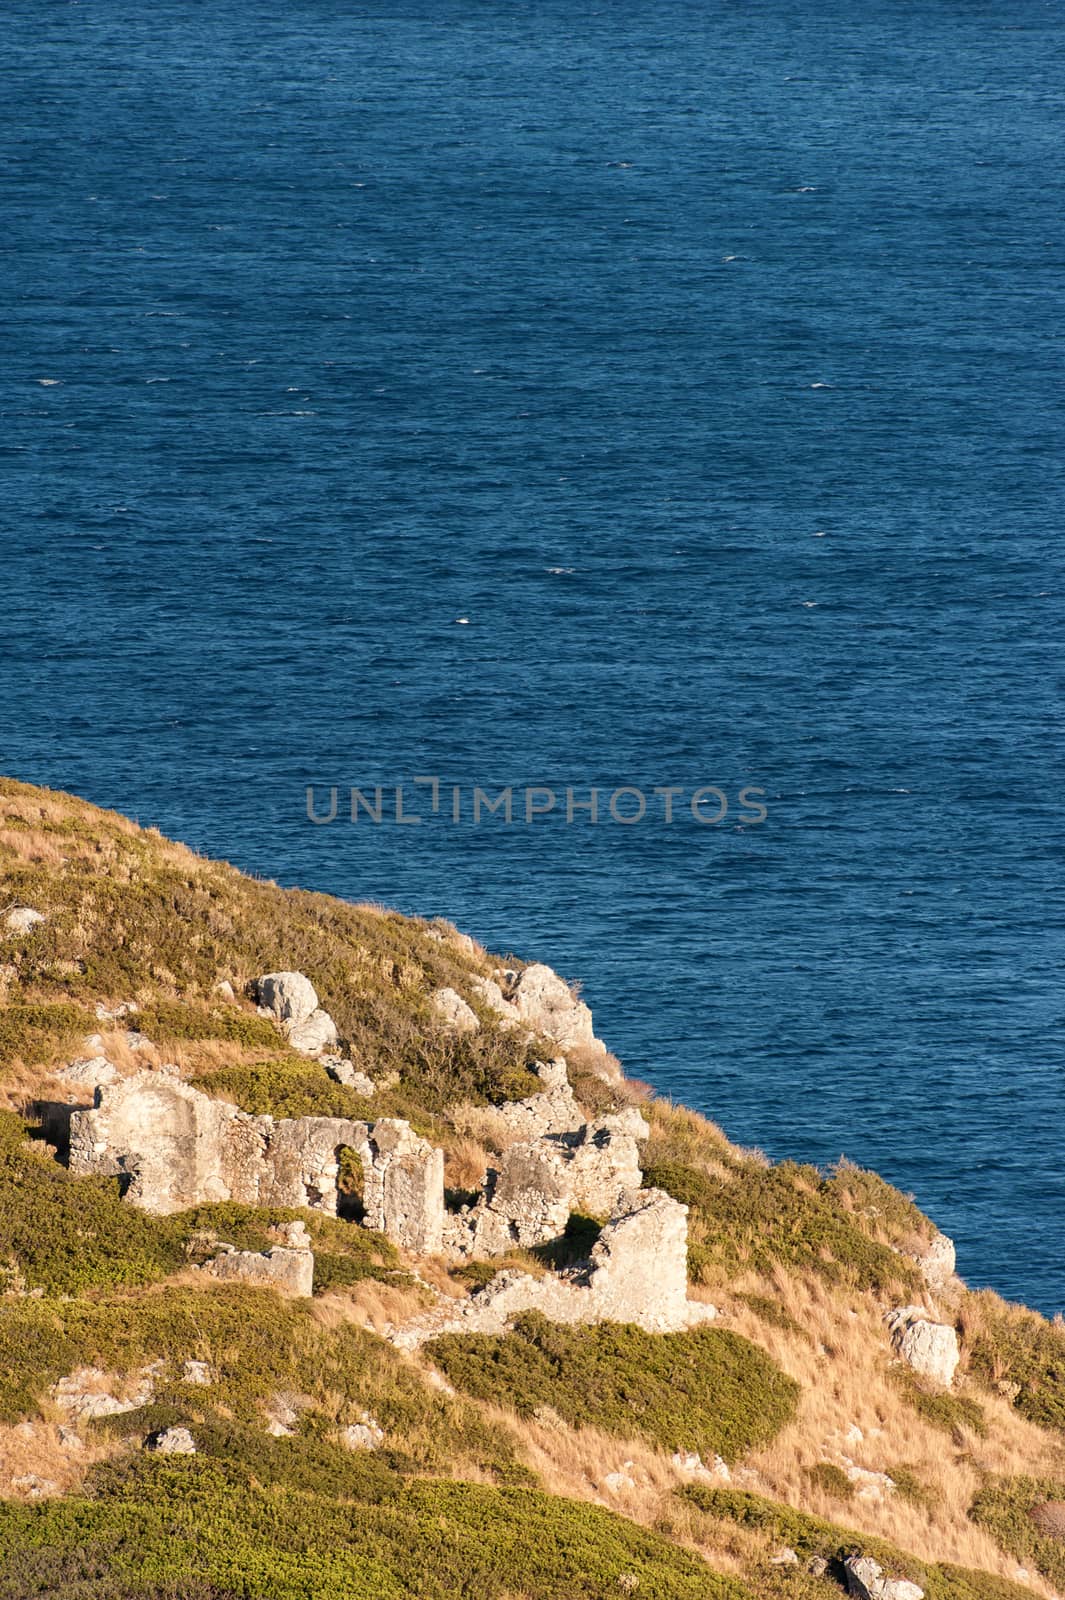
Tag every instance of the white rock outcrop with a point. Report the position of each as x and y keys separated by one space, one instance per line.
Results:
x=453 y=1012
x=290 y=998
x=23 y=919
x=929 y=1347
x=866 y=1581
x=547 y=1004
x=366 y=1434
x=172 y=1442
x=537 y=999
x=937 y=1262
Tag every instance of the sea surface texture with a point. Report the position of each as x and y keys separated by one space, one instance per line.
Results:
x=552 y=396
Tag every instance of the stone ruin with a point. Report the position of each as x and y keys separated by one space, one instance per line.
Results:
x=175 y=1148
x=287 y=1267
x=541 y=1182
x=637 y=1272
x=178 y=1148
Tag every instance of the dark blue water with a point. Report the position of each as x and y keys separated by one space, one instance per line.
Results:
x=327 y=325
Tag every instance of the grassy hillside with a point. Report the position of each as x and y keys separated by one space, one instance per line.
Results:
x=524 y=1466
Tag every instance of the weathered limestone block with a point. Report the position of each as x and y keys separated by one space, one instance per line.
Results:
x=492 y=995
x=177 y=1147
x=172 y=1442
x=640 y=1260
x=289 y=1271
x=453 y=1013
x=88 y=1072
x=605 y=1162
x=528 y=1201
x=866 y=1581
x=289 y=995
x=403 y=1193
x=343 y=1071
x=937 y=1262
x=552 y=1111
x=317 y=1033
x=366 y=1434
x=929 y=1347
x=541 y=1182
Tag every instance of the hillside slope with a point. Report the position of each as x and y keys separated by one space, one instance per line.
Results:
x=177 y=1421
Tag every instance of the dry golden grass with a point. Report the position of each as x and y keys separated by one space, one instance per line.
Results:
x=373 y=1305
x=33 y=846
x=32 y=1451
x=483 y=1127
x=842 y=1359
x=683 y=1136
x=465 y=1162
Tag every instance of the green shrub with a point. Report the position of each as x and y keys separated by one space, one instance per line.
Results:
x=41 y=1033
x=165 y=1021
x=1004 y=1507
x=877 y=1207
x=831 y=1480
x=707 y=1390
x=750 y=1217
x=772 y=1312
x=289 y=1086
x=910 y=1487
x=64 y=1234
x=256 y=1345
x=197 y=1521
x=1012 y=1346
x=812 y=1536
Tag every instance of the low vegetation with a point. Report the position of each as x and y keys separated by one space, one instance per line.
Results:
x=707 y=1390
x=1017 y=1352
x=778 y=1525
x=155 y=1525
x=1027 y=1517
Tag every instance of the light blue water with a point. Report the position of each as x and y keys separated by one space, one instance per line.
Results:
x=356 y=321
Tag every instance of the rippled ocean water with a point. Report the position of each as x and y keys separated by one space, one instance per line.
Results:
x=706 y=359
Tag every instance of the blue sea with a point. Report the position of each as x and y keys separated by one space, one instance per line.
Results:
x=704 y=359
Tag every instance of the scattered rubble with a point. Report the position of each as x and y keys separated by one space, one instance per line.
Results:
x=345 y=1072
x=690 y=1465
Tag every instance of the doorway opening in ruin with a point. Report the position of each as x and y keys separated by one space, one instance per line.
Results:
x=351 y=1179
